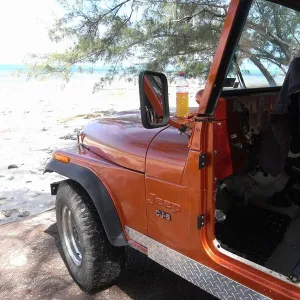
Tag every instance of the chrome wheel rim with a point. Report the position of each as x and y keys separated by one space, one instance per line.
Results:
x=70 y=236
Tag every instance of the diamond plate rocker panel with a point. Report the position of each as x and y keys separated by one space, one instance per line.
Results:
x=207 y=279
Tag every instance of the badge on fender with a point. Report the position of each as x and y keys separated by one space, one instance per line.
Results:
x=163 y=215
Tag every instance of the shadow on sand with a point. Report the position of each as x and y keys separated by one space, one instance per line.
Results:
x=145 y=279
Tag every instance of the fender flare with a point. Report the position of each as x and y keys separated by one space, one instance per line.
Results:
x=99 y=195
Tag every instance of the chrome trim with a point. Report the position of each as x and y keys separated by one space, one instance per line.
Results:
x=200 y=275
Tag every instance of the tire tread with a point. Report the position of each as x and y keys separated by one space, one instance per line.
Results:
x=104 y=262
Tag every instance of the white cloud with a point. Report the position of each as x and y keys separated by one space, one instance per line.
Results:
x=23 y=28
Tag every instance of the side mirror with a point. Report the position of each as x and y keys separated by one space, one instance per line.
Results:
x=154 y=99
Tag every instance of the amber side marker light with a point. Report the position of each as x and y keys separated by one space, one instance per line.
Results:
x=62 y=158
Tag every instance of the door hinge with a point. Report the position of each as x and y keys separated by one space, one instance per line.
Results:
x=200 y=221
x=202 y=161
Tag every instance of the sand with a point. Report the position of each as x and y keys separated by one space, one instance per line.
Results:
x=38 y=117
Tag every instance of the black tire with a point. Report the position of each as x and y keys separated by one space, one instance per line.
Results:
x=101 y=263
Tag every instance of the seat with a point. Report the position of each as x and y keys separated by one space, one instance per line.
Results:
x=283 y=135
x=288 y=195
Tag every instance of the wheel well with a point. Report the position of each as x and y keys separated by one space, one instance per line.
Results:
x=75 y=184
x=97 y=192
x=78 y=187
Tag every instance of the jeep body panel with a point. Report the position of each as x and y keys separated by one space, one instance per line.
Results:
x=97 y=192
x=137 y=196
x=186 y=193
x=127 y=201
x=121 y=139
x=167 y=156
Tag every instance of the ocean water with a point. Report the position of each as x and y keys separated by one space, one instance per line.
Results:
x=17 y=94
x=18 y=73
x=79 y=91
x=10 y=68
x=9 y=71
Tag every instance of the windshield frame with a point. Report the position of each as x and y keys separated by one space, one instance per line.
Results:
x=233 y=27
x=236 y=23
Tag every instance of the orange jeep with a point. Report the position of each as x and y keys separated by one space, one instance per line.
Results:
x=212 y=197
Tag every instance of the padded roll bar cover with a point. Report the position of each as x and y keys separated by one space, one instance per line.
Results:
x=99 y=195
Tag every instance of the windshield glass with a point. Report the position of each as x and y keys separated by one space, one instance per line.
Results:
x=270 y=40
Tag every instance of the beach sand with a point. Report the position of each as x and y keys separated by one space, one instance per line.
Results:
x=38 y=117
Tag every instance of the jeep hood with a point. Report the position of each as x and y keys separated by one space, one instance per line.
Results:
x=120 y=139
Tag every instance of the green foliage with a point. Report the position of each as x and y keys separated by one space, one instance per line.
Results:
x=272 y=35
x=164 y=35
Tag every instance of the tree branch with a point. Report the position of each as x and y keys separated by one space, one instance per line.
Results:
x=264 y=31
x=263 y=69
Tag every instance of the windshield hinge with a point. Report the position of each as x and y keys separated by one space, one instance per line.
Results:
x=203 y=118
x=200 y=221
x=202 y=160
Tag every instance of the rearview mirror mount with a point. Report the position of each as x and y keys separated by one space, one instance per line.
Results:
x=154 y=99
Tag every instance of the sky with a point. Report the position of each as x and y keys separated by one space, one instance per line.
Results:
x=23 y=28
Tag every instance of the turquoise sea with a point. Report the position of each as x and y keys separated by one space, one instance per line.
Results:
x=16 y=73
x=10 y=68
x=253 y=78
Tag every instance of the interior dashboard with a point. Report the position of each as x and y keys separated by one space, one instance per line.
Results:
x=241 y=119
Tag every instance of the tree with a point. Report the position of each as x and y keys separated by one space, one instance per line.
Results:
x=271 y=37
x=163 y=35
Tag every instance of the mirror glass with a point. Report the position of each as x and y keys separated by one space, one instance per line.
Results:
x=154 y=99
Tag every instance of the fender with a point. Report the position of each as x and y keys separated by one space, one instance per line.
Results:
x=99 y=195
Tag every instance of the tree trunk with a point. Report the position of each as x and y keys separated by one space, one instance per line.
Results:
x=263 y=69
